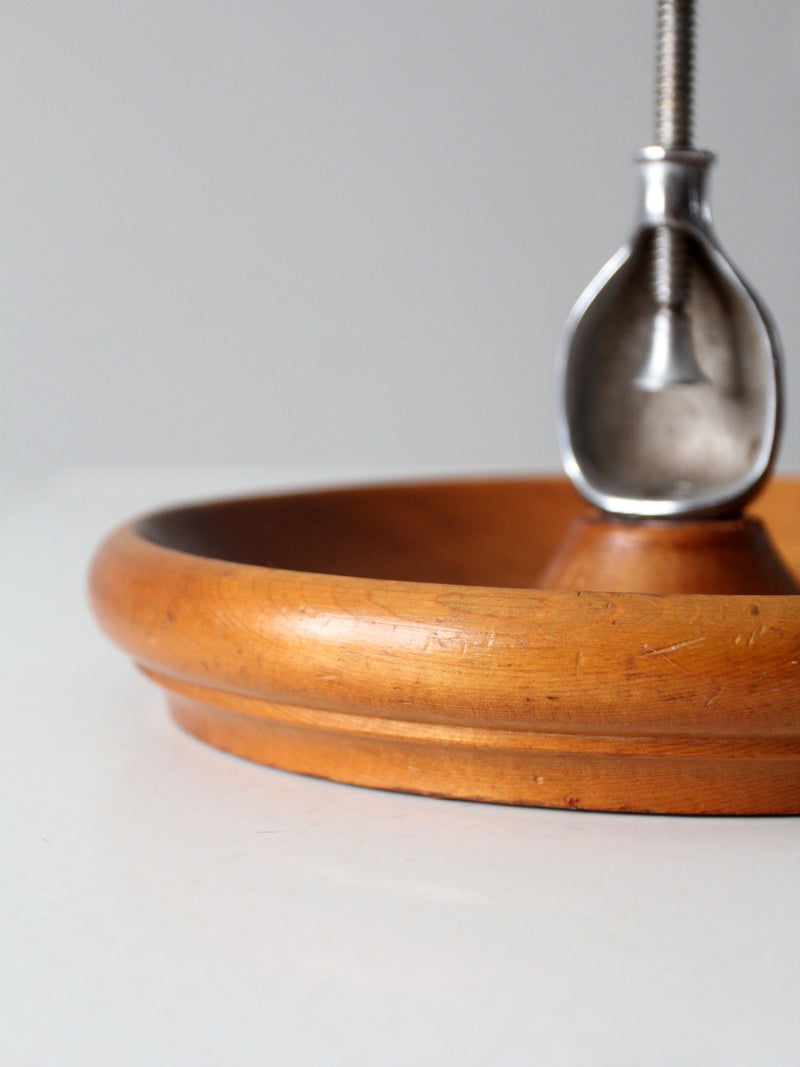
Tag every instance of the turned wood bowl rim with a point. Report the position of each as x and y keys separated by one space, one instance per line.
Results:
x=135 y=531
x=491 y=646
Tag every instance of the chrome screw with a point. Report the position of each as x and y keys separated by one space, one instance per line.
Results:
x=674 y=91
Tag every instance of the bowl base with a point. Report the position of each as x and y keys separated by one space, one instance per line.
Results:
x=650 y=775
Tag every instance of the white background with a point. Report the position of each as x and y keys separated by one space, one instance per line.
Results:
x=335 y=240
x=308 y=231
x=163 y=903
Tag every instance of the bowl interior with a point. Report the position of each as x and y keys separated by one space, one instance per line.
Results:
x=498 y=533
x=482 y=533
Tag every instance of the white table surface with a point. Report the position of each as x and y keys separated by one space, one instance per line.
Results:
x=164 y=903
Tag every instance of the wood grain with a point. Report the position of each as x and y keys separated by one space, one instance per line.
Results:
x=390 y=637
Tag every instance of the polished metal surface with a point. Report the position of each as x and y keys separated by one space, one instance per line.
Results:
x=681 y=449
x=670 y=365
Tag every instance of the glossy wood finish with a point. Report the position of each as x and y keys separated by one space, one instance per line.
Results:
x=390 y=637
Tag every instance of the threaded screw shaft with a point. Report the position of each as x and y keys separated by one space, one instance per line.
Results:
x=674 y=73
x=673 y=128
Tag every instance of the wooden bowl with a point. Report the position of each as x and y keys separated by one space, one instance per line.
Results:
x=392 y=637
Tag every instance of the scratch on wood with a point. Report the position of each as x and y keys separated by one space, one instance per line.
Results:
x=691 y=642
x=714 y=695
x=758 y=632
x=659 y=652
